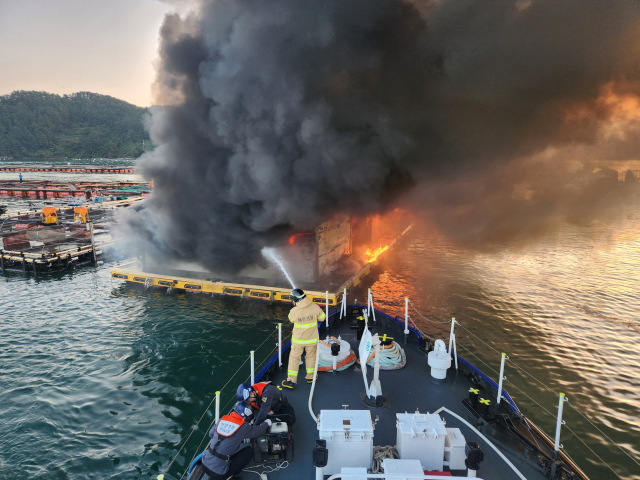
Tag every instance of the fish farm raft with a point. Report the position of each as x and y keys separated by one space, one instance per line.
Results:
x=56 y=238
x=66 y=169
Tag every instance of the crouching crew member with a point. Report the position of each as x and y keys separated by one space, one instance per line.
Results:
x=267 y=398
x=221 y=459
x=305 y=316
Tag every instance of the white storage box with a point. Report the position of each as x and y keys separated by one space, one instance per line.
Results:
x=454 y=449
x=391 y=465
x=349 y=436
x=421 y=437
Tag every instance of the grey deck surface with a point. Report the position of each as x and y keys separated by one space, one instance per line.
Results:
x=407 y=389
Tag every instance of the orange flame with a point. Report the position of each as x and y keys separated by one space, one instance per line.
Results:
x=293 y=237
x=370 y=256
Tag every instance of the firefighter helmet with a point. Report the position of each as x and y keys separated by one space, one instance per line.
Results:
x=297 y=294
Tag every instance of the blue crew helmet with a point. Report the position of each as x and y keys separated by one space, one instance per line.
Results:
x=243 y=392
x=243 y=409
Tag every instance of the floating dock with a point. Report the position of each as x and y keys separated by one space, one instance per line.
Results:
x=28 y=244
x=48 y=190
x=260 y=292
x=51 y=262
x=66 y=169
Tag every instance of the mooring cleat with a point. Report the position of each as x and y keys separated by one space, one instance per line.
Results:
x=288 y=384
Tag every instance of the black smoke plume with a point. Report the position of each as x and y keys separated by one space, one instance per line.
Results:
x=282 y=113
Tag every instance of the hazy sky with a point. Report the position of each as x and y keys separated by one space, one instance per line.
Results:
x=66 y=46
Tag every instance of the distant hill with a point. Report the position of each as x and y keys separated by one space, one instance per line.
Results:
x=80 y=125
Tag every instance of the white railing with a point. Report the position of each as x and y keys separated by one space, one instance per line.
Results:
x=392 y=476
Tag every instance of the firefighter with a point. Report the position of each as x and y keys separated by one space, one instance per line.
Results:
x=221 y=459
x=267 y=398
x=305 y=316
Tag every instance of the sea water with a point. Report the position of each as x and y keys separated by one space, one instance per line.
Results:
x=102 y=379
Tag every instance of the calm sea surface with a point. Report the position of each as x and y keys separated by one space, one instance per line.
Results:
x=103 y=380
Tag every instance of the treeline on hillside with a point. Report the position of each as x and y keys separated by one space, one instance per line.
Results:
x=80 y=125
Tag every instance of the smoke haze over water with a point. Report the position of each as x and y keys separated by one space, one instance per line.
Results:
x=282 y=113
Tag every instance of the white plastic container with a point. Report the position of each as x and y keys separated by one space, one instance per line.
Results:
x=349 y=436
x=421 y=436
x=440 y=361
x=393 y=466
x=454 y=449
x=278 y=427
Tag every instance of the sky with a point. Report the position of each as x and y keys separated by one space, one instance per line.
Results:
x=67 y=46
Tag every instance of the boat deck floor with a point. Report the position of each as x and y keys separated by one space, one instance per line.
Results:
x=406 y=390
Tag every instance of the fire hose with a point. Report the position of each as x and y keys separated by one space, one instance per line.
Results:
x=327 y=365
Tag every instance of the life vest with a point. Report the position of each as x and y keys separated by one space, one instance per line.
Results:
x=259 y=388
x=229 y=424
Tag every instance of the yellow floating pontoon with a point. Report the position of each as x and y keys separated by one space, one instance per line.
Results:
x=221 y=288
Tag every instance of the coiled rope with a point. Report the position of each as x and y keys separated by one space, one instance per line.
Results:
x=380 y=453
x=392 y=357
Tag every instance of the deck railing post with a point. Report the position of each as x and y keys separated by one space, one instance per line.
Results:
x=326 y=309
x=279 y=346
x=557 y=444
x=370 y=310
x=559 y=423
x=217 y=406
x=253 y=367
x=455 y=352
x=343 y=307
x=502 y=377
x=453 y=321
x=406 y=319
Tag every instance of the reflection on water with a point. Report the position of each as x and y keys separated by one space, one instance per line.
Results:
x=103 y=380
x=565 y=309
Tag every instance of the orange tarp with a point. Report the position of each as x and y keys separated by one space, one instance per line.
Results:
x=81 y=210
x=46 y=211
